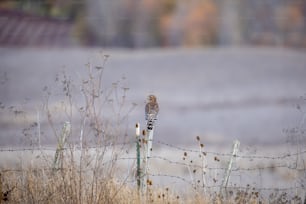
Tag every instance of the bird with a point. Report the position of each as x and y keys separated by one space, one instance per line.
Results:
x=151 y=108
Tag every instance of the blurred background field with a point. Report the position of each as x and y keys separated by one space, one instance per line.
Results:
x=251 y=94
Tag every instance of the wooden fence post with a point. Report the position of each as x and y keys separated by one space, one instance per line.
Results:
x=58 y=157
x=230 y=163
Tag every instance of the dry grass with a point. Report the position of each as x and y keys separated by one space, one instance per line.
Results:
x=76 y=184
x=64 y=186
x=96 y=177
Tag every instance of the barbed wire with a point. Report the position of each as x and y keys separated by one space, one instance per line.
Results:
x=183 y=179
x=76 y=147
x=223 y=168
x=205 y=153
x=248 y=187
x=283 y=156
x=194 y=165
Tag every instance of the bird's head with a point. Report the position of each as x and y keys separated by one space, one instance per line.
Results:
x=151 y=98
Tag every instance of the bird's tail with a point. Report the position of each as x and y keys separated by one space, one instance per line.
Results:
x=151 y=118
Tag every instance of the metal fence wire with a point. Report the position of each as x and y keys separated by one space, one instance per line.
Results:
x=199 y=168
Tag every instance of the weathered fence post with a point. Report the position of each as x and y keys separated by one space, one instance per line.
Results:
x=230 y=163
x=145 y=162
x=143 y=172
x=58 y=157
x=149 y=143
x=150 y=128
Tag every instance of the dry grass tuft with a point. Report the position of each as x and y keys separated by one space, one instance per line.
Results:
x=68 y=185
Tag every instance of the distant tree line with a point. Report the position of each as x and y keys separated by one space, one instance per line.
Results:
x=151 y=23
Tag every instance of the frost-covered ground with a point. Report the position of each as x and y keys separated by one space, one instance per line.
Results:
x=221 y=94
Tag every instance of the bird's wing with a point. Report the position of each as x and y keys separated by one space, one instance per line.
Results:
x=147 y=108
x=156 y=108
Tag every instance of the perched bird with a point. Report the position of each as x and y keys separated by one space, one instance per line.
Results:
x=151 y=108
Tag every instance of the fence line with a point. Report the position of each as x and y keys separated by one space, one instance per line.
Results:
x=281 y=164
x=44 y=148
x=223 y=168
x=184 y=164
x=182 y=179
x=76 y=147
x=284 y=156
x=230 y=187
